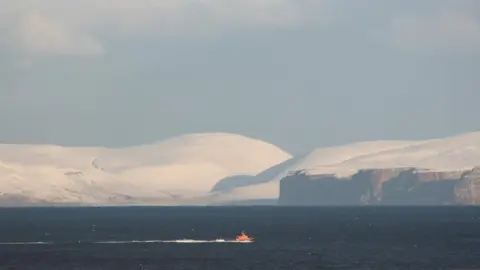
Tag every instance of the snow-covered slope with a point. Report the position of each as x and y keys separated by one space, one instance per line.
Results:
x=452 y=153
x=164 y=172
x=332 y=156
x=320 y=157
x=183 y=170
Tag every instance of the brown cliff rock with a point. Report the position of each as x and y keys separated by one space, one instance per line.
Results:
x=373 y=180
x=467 y=189
x=394 y=186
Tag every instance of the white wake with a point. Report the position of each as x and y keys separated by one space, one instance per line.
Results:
x=178 y=241
x=26 y=243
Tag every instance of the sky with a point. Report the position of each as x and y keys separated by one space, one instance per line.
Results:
x=299 y=74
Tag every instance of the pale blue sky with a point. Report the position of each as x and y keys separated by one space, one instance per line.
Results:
x=296 y=73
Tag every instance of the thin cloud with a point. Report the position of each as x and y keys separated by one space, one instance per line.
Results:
x=67 y=27
x=444 y=31
x=36 y=33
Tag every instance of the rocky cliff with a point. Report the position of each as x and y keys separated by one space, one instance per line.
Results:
x=395 y=186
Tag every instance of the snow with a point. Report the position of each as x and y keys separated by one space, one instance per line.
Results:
x=327 y=159
x=453 y=153
x=183 y=169
x=173 y=169
x=321 y=157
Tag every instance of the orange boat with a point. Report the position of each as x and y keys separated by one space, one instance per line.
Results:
x=244 y=238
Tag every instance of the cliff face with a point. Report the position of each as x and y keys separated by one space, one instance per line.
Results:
x=467 y=190
x=396 y=186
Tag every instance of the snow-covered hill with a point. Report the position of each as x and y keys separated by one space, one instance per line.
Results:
x=452 y=153
x=184 y=169
x=165 y=172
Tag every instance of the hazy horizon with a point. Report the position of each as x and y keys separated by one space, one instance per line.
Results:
x=299 y=74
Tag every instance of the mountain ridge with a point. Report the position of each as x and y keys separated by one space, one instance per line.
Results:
x=314 y=162
x=204 y=168
x=174 y=168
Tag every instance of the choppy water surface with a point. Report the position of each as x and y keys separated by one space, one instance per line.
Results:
x=286 y=238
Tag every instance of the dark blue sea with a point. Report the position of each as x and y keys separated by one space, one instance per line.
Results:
x=286 y=238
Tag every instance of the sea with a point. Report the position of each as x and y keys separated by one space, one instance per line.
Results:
x=291 y=238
